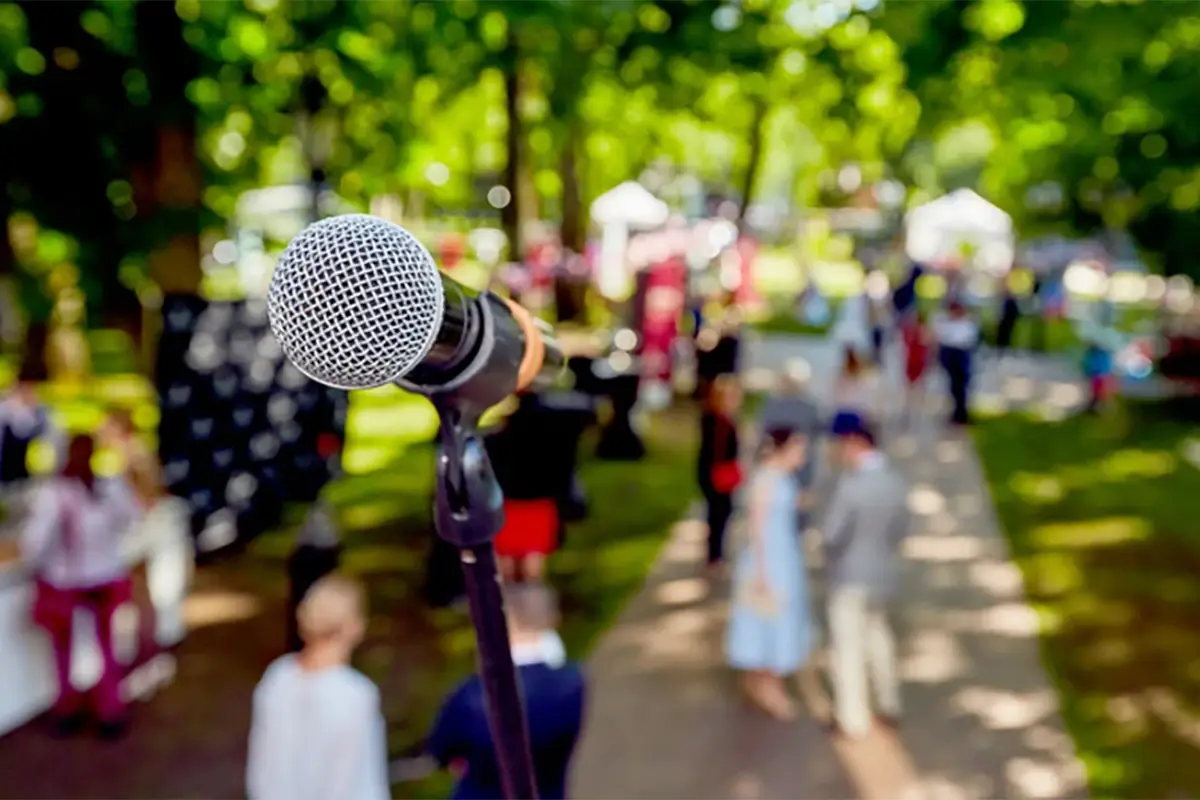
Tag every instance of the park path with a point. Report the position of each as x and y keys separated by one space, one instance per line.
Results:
x=981 y=717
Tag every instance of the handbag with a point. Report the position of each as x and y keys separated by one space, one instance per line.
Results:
x=726 y=475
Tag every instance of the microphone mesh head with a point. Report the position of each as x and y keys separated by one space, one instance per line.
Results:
x=356 y=301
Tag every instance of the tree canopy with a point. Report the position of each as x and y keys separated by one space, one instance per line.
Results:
x=131 y=128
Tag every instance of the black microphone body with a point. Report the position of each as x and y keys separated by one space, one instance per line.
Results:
x=479 y=350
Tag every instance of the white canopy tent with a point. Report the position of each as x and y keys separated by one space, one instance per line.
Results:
x=629 y=206
x=961 y=227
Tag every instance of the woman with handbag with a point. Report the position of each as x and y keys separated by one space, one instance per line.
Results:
x=720 y=473
x=72 y=542
x=770 y=634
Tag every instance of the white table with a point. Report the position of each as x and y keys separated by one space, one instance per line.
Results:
x=27 y=684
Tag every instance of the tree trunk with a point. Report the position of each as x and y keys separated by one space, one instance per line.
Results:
x=510 y=215
x=754 y=163
x=570 y=291
x=573 y=231
x=169 y=179
x=10 y=322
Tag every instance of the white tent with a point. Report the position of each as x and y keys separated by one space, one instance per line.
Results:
x=630 y=204
x=960 y=225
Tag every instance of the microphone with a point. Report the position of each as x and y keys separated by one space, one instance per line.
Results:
x=357 y=302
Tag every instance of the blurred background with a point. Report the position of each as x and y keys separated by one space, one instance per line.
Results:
x=156 y=158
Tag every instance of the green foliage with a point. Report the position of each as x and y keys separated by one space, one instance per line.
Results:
x=1090 y=96
x=765 y=97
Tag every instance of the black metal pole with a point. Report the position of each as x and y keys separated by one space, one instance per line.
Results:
x=506 y=707
x=468 y=514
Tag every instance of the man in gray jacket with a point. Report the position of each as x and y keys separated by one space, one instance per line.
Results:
x=865 y=522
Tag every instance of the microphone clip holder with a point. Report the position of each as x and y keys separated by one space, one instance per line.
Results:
x=468 y=514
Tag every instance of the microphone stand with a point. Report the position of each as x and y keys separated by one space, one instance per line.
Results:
x=468 y=514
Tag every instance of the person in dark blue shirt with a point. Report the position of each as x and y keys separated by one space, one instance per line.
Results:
x=554 y=706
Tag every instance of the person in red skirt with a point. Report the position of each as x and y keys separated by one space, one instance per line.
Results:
x=918 y=340
x=532 y=483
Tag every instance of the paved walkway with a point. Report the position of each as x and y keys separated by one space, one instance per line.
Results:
x=981 y=719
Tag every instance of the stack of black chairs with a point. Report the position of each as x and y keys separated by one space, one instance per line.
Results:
x=242 y=431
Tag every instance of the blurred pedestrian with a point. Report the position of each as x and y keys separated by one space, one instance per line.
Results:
x=865 y=522
x=163 y=531
x=793 y=406
x=1010 y=315
x=317 y=730
x=958 y=338
x=770 y=634
x=904 y=299
x=554 y=692
x=72 y=541
x=533 y=476
x=719 y=471
x=878 y=319
x=1098 y=368
x=852 y=328
x=24 y=419
x=854 y=392
x=918 y=341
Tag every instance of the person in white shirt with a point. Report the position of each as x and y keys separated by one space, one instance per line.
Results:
x=957 y=336
x=317 y=731
x=71 y=540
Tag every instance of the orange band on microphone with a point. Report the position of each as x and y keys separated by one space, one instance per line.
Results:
x=535 y=348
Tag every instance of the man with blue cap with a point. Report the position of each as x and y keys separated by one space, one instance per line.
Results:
x=865 y=523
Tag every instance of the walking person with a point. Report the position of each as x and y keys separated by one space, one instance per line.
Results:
x=1098 y=369
x=878 y=318
x=854 y=392
x=864 y=525
x=1010 y=315
x=317 y=731
x=24 y=419
x=852 y=328
x=904 y=299
x=918 y=340
x=533 y=481
x=770 y=634
x=554 y=693
x=72 y=542
x=719 y=471
x=958 y=337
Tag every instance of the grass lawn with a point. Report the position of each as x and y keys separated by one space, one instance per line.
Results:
x=1101 y=515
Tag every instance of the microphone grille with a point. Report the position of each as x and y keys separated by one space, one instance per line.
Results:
x=355 y=301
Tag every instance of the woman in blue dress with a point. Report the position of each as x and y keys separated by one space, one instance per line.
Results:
x=770 y=633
